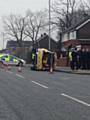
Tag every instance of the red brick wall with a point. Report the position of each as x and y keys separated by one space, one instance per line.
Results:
x=62 y=62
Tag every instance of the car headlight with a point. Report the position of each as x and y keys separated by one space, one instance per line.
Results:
x=23 y=61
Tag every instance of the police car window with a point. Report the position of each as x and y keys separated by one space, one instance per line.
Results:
x=3 y=58
x=6 y=56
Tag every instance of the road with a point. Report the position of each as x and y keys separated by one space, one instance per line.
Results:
x=38 y=95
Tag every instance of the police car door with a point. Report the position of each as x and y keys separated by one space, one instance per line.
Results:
x=5 y=59
x=13 y=60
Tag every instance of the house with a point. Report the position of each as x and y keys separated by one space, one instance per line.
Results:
x=79 y=35
x=43 y=42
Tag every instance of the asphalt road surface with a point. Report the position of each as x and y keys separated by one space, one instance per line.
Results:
x=37 y=95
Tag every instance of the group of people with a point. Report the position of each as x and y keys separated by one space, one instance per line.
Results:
x=79 y=59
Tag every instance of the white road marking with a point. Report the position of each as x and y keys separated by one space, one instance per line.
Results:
x=19 y=75
x=40 y=84
x=66 y=78
x=75 y=99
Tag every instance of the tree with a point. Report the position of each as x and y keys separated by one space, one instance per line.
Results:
x=68 y=13
x=36 y=23
x=14 y=27
x=64 y=12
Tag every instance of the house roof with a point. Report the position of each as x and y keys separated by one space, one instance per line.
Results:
x=78 y=25
x=44 y=36
x=13 y=43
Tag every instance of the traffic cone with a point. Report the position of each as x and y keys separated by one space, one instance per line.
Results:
x=9 y=67
x=6 y=66
x=19 y=69
x=2 y=66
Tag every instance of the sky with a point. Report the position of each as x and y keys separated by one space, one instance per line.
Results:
x=20 y=6
x=8 y=7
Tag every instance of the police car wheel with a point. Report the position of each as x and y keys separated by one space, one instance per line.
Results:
x=20 y=64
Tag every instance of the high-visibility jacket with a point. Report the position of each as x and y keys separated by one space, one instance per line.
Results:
x=70 y=56
x=33 y=56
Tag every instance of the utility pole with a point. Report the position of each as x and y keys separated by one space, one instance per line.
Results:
x=67 y=25
x=3 y=39
x=49 y=25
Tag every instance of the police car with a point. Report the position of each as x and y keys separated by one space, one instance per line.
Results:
x=8 y=59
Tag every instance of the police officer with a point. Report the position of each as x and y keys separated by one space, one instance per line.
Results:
x=33 y=56
x=70 y=58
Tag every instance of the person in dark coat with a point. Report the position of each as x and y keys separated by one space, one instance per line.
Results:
x=83 y=59
x=79 y=59
x=74 y=59
x=87 y=59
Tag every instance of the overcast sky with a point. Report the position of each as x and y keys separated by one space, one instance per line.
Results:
x=19 y=7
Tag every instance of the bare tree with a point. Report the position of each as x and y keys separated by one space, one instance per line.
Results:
x=14 y=27
x=36 y=23
x=69 y=12
x=64 y=12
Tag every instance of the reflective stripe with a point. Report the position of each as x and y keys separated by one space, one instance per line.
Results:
x=33 y=55
x=14 y=60
x=7 y=59
x=70 y=56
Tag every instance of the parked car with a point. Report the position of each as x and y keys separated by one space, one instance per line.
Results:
x=11 y=60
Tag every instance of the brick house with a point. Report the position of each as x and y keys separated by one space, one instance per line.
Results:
x=78 y=35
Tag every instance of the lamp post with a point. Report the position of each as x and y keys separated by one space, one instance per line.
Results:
x=3 y=39
x=49 y=24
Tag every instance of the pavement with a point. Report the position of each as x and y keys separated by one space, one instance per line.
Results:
x=68 y=70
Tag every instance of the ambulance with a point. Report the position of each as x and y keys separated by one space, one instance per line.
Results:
x=43 y=59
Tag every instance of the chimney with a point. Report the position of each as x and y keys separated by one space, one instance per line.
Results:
x=45 y=34
x=41 y=35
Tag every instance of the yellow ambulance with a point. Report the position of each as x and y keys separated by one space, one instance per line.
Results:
x=44 y=59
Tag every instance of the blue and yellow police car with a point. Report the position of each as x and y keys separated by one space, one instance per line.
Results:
x=11 y=60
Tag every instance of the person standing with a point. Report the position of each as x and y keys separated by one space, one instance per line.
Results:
x=74 y=59
x=70 y=58
x=87 y=59
x=83 y=59
x=79 y=60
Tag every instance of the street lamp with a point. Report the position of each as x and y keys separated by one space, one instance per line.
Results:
x=3 y=39
x=49 y=24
